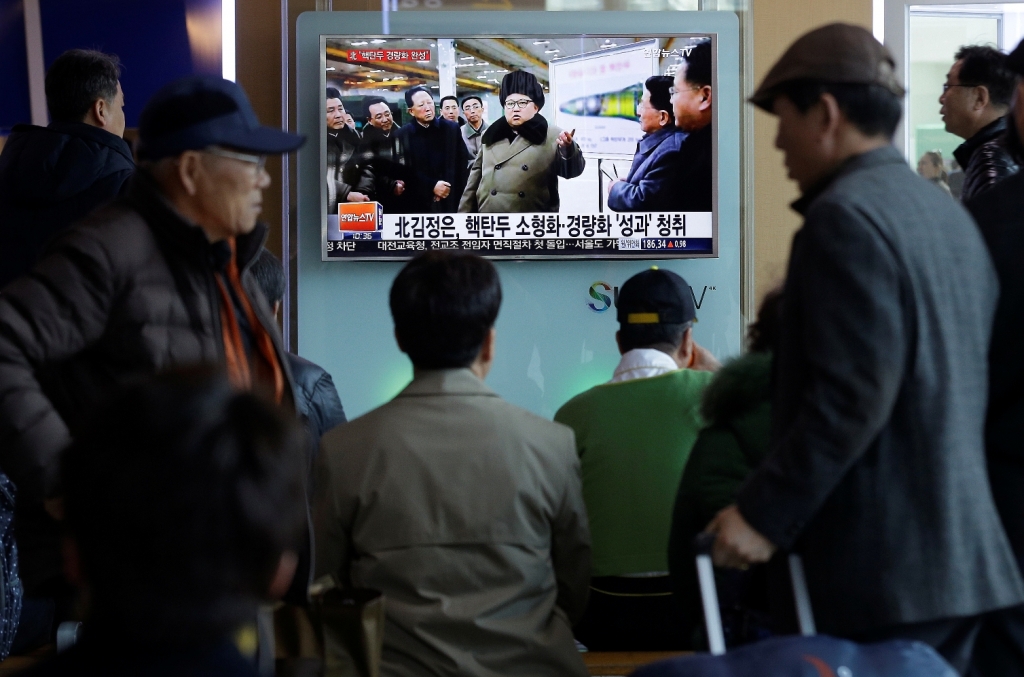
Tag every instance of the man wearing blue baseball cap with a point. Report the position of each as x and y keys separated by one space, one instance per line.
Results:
x=155 y=280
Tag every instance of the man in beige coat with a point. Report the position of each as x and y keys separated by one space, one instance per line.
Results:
x=521 y=156
x=467 y=512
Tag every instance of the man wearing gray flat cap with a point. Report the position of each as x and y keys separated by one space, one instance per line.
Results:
x=157 y=279
x=877 y=472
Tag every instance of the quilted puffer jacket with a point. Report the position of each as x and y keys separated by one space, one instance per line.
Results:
x=129 y=291
x=985 y=159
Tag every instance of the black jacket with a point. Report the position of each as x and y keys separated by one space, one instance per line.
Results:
x=985 y=159
x=343 y=174
x=316 y=398
x=695 y=177
x=434 y=153
x=1000 y=215
x=129 y=291
x=384 y=158
x=877 y=469
x=51 y=177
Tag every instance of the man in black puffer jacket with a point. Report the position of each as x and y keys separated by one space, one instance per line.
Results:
x=158 y=279
x=52 y=176
x=974 y=101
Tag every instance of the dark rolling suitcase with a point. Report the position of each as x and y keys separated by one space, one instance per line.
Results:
x=807 y=654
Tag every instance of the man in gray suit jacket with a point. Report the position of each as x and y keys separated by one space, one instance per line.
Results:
x=877 y=474
x=467 y=512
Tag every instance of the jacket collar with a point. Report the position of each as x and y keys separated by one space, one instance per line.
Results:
x=446 y=382
x=469 y=132
x=145 y=196
x=82 y=131
x=965 y=151
x=886 y=155
x=534 y=130
x=643 y=363
x=651 y=141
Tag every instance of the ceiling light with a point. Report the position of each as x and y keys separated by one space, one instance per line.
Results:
x=552 y=51
x=481 y=77
x=358 y=44
x=466 y=58
x=542 y=42
x=331 y=68
x=377 y=42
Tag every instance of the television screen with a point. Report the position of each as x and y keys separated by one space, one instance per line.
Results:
x=520 y=147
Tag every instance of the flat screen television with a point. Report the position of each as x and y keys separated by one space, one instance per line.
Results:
x=587 y=158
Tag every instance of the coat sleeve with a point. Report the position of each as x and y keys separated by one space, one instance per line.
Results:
x=332 y=518
x=53 y=313
x=570 y=547
x=645 y=191
x=846 y=282
x=326 y=405
x=468 y=203
x=572 y=166
x=463 y=163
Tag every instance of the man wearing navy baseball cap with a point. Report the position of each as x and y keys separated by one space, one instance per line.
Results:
x=155 y=280
x=634 y=435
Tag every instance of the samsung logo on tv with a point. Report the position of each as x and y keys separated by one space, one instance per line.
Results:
x=602 y=296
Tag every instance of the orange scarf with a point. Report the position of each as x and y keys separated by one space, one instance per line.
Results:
x=266 y=366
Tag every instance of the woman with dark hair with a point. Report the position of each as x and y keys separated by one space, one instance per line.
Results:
x=737 y=409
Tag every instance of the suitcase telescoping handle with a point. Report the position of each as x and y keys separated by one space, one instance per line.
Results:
x=709 y=594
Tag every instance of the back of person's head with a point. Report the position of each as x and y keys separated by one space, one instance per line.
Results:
x=654 y=309
x=661 y=99
x=444 y=305
x=763 y=333
x=872 y=109
x=182 y=495
x=698 y=64
x=986 y=66
x=269 y=274
x=77 y=79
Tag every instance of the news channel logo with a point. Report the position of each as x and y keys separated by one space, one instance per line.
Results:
x=602 y=296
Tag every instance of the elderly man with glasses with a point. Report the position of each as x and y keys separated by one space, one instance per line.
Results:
x=521 y=156
x=157 y=279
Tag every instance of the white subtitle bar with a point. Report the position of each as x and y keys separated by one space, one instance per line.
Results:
x=537 y=226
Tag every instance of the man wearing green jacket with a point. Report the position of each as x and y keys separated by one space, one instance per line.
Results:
x=634 y=435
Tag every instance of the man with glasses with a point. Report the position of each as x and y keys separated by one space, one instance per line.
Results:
x=155 y=280
x=691 y=105
x=473 y=130
x=521 y=155
x=436 y=156
x=975 y=100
